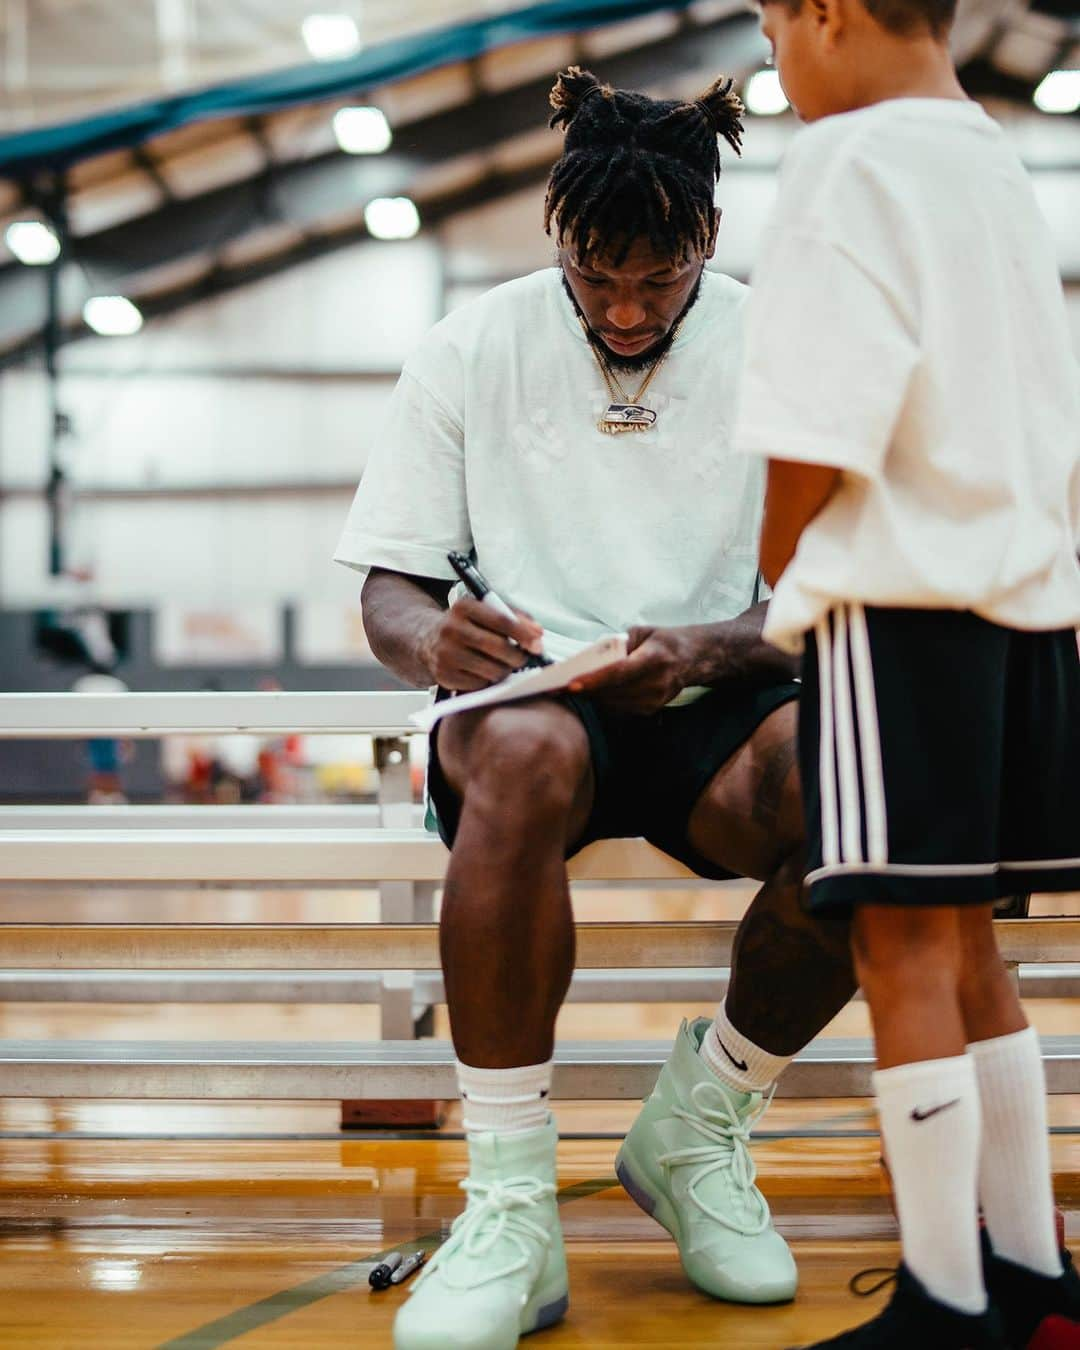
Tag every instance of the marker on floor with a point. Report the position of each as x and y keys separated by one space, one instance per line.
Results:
x=411 y=1263
x=382 y=1275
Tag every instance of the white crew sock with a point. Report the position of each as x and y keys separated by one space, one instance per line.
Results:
x=1014 y=1175
x=929 y=1113
x=504 y=1100
x=736 y=1060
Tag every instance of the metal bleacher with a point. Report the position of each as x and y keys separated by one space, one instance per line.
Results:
x=393 y=962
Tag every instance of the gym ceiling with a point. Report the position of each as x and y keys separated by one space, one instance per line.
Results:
x=185 y=147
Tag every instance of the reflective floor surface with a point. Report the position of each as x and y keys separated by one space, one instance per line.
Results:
x=263 y=1231
x=195 y=1225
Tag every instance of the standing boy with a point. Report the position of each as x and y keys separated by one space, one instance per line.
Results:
x=909 y=375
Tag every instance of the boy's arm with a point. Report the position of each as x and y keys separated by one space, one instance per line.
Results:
x=828 y=405
x=794 y=494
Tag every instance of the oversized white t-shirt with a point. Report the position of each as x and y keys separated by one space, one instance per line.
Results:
x=907 y=326
x=491 y=443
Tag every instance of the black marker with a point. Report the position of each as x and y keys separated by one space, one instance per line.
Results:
x=478 y=588
x=382 y=1275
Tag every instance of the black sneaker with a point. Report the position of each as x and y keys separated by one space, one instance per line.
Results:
x=1027 y=1299
x=913 y=1320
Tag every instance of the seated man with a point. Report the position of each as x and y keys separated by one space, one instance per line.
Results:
x=497 y=444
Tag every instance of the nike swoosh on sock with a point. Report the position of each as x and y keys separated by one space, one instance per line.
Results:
x=918 y=1115
x=740 y=1064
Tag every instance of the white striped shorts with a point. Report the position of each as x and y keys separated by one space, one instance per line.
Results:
x=940 y=759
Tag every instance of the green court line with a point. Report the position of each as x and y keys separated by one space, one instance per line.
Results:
x=279 y=1305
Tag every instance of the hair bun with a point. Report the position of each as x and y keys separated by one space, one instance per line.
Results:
x=572 y=87
x=724 y=109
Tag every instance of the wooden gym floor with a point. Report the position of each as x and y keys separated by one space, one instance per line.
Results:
x=197 y=1225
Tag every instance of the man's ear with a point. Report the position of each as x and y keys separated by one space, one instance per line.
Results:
x=710 y=248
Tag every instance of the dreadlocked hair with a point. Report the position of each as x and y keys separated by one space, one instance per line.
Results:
x=635 y=166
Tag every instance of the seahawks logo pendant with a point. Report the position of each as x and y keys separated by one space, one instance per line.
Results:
x=621 y=417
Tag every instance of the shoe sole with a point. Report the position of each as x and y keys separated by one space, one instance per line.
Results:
x=537 y=1315
x=546 y=1315
x=655 y=1206
x=658 y=1207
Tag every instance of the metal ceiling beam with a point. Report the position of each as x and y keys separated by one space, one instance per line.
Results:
x=302 y=194
x=220 y=281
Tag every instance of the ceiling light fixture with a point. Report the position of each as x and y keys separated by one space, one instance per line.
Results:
x=1059 y=92
x=112 y=316
x=764 y=95
x=32 y=242
x=362 y=131
x=392 y=218
x=329 y=37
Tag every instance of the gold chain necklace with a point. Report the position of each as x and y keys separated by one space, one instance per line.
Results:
x=625 y=411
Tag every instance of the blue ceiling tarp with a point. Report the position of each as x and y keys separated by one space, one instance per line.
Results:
x=56 y=147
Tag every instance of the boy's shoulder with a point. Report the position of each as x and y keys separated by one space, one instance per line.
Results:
x=889 y=129
x=886 y=157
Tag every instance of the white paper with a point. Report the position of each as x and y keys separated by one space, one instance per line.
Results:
x=529 y=683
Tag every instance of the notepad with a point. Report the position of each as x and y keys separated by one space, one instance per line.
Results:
x=529 y=683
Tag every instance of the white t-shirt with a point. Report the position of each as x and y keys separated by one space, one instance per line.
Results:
x=491 y=443
x=907 y=326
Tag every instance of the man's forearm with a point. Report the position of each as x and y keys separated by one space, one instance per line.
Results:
x=735 y=650
x=400 y=614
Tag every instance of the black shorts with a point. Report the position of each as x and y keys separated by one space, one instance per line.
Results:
x=649 y=772
x=940 y=759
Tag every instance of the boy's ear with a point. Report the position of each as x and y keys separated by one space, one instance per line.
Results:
x=830 y=16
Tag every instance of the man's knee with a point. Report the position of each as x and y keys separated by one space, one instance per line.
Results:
x=750 y=817
x=777 y=928
x=788 y=832
x=531 y=759
x=739 y=829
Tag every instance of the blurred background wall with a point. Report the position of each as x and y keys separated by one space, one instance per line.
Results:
x=204 y=163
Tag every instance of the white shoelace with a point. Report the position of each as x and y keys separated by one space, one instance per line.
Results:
x=715 y=1118
x=493 y=1212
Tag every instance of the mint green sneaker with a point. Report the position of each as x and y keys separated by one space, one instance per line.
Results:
x=502 y=1271
x=687 y=1162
